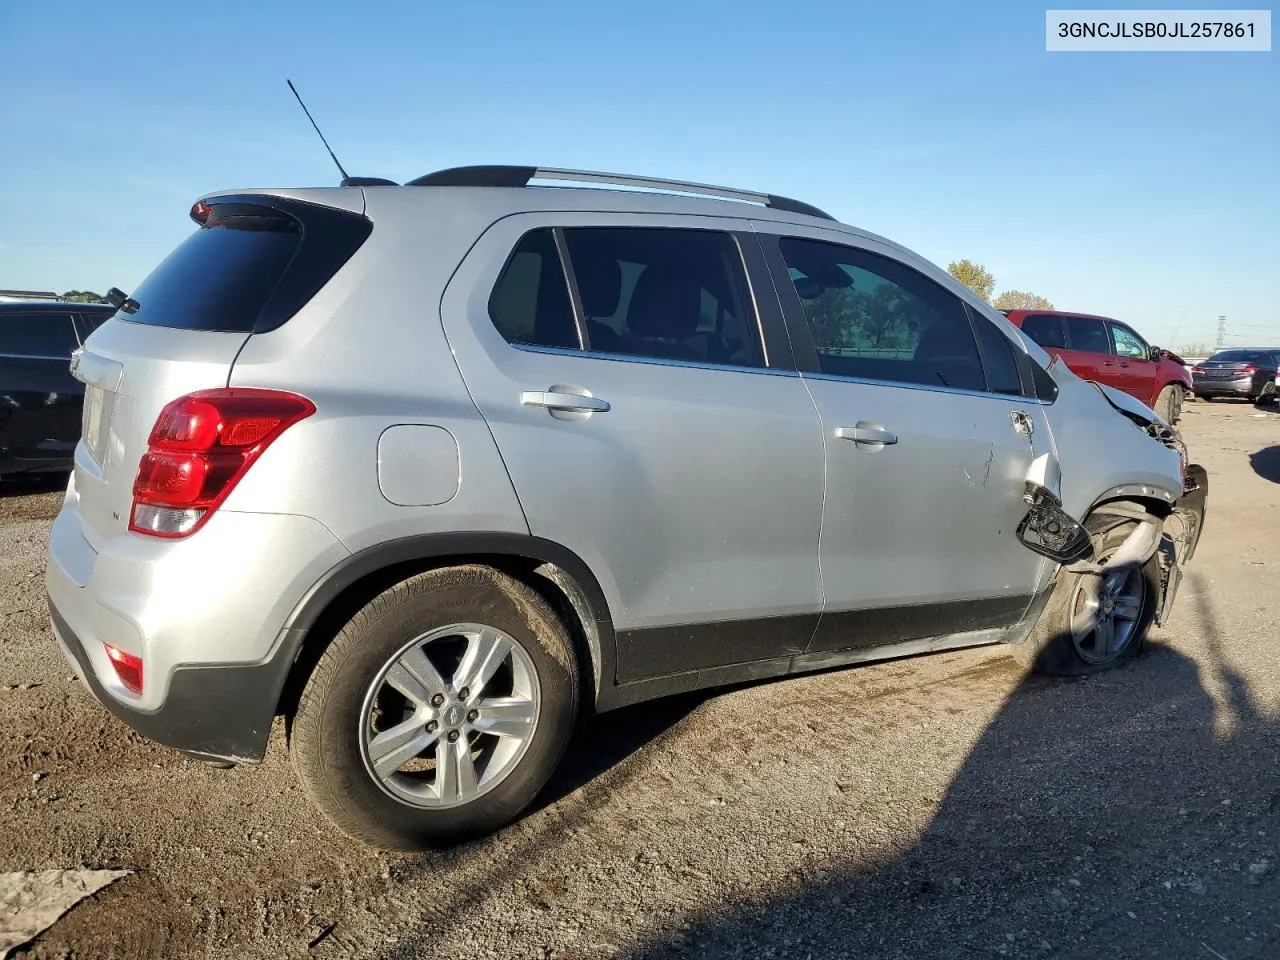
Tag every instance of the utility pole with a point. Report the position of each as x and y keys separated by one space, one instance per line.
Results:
x=1222 y=331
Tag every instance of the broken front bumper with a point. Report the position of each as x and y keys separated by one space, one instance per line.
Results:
x=1182 y=530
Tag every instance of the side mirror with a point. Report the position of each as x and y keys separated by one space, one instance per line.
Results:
x=1044 y=474
x=1156 y=354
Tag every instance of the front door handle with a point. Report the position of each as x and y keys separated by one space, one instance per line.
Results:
x=869 y=433
x=564 y=402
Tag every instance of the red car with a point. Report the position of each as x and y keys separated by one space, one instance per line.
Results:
x=1110 y=352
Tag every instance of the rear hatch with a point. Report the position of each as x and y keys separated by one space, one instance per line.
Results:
x=253 y=262
x=1218 y=370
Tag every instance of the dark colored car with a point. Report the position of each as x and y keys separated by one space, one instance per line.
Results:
x=1248 y=372
x=40 y=401
x=1110 y=352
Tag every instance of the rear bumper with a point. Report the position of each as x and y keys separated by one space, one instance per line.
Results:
x=1232 y=388
x=213 y=713
x=207 y=616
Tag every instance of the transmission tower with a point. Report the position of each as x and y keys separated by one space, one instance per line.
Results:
x=1222 y=331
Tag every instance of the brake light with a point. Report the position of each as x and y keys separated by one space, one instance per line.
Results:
x=128 y=667
x=1197 y=369
x=199 y=448
x=1250 y=369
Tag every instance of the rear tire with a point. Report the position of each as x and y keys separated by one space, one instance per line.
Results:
x=1060 y=645
x=1267 y=394
x=1169 y=403
x=438 y=711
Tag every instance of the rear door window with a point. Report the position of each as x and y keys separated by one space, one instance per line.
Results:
x=665 y=293
x=1087 y=335
x=530 y=303
x=38 y=333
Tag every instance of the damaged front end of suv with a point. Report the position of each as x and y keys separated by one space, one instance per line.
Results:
x=1169 y=533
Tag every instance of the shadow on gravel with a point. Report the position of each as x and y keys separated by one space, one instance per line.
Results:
x=25 y=485
x=608 y=740
x=1266 y=463
x=611 y=742
x=1118 y=815
x=1121 y=819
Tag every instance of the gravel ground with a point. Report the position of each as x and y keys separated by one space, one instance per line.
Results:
x=944 y=806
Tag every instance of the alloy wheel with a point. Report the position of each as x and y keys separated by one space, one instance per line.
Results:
x=450 y=715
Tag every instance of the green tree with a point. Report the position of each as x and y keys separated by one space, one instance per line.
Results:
x=974 y=276
x=1022 y=300
x=83 y=296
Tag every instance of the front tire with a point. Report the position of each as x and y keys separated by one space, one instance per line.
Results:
x=1091 y=623
x=438 y=712
x=1169 y=403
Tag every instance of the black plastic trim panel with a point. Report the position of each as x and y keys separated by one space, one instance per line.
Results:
x=218 y=712
x=660 y=651
x=877 y=627
x=477 y=176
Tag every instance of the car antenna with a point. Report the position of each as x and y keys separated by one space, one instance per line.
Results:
x=321 y=135
x=347 y=181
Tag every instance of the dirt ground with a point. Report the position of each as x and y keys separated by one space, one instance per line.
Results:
x=944 y=806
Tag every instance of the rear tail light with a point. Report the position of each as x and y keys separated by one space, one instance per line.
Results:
x=1197 y=369
x=200 y=447
x=128 y=667
x=1250 y=369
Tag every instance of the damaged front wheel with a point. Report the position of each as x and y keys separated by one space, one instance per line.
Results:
x=1094 y=621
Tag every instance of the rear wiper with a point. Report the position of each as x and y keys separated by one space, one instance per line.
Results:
x=121 y=301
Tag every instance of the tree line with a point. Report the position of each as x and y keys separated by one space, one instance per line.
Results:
x=982 y=282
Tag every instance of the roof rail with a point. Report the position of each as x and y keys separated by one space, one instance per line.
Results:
x=515 y=176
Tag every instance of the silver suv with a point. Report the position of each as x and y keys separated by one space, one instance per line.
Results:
x=432 y=469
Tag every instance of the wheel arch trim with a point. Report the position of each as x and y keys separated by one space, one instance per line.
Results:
x=560 y=567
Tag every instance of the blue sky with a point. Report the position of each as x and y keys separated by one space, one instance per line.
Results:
x=1138 y=185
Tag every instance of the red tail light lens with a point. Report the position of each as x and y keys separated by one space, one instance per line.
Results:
x=1197 y=369
x=200 y=447
x=128 y=667
x=1250 y=369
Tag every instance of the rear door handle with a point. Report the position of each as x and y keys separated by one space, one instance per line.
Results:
x=868 y=433
x=565 y=402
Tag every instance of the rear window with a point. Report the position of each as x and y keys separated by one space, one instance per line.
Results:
x=249 y=267
x=1241 y=356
